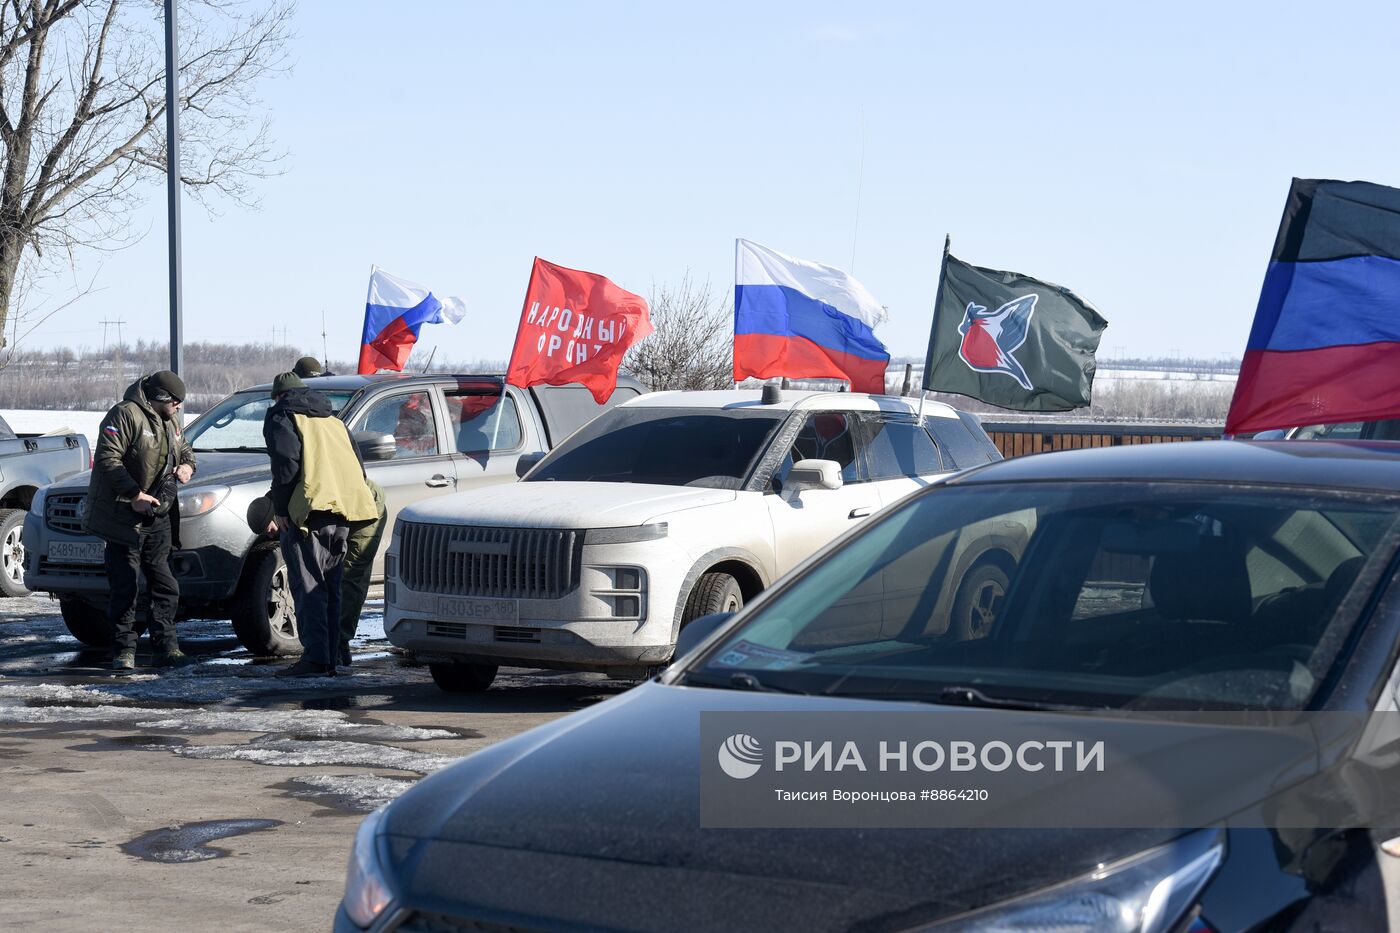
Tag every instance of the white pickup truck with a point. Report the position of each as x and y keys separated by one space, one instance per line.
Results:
x=672 y=506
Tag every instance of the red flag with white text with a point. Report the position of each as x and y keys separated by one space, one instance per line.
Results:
x=575 y=327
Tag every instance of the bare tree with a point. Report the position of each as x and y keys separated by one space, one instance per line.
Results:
x=692 y=344
x=82 y=117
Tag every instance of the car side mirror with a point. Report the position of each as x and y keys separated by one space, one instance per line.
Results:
x=526 y=462
x=697 y=630
x=814 y=474
x=374 y=447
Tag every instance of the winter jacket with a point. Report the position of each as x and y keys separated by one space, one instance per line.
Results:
x=127 y=461
x=315 y=465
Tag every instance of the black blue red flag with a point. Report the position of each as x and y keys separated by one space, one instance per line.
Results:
x=1325 y=345
x=1011 y=340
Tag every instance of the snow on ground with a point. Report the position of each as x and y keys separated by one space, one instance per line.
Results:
x=294 y=752
x=33 y=421
x=362 y=792
x=311 y=723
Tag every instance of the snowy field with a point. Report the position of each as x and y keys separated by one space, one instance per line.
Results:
x=32 y=421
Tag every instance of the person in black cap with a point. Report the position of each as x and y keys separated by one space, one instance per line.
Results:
x=318 y=492
x=132 y=506
x=308 y=367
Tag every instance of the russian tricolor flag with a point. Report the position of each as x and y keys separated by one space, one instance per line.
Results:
x=1325 y=345
x=394 y=311
x=804 y=320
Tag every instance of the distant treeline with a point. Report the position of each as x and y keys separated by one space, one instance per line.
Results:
x=86 y=379
x=91 y=380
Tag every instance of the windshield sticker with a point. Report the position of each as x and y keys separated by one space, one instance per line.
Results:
x=759 y=657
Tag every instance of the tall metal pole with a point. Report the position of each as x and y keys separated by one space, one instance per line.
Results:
x=933 y=328
x=172 y=185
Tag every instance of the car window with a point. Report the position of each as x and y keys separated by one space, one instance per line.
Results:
x=567 y=408
x=236 y=422
x=958 y=444
x=896 y=449
x=482 y=420
x=1103 y=605
x=664 y=446
x=408 y=417
x=825 y=435
x=1349 y=430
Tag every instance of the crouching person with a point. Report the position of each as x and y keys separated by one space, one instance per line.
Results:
x=133 y=507
x=318 y=492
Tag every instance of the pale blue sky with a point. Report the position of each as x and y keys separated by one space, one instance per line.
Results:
x=1139 y=154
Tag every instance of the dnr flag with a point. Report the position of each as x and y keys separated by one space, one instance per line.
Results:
x=1011 y=340
x=1325 y=345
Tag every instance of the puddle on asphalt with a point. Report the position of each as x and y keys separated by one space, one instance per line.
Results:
x=344 y=702
x=126 y=742
x=187 y=843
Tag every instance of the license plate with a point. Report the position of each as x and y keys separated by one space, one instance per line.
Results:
x=77 y=552
x=468 y=609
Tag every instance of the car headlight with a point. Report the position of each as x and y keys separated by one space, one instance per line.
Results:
x=1147 y=893
x=366 y=890
x=198 y=501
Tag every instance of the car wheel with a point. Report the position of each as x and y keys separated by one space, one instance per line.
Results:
x=463 y=678
x=264 y=616
x=714 y=592
x=978 y=602
x=12 y=552
x=87 y=622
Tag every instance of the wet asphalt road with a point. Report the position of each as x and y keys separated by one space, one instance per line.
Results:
x=216 y=795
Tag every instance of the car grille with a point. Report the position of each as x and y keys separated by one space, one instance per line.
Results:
x=65 y=512
x=508 y=563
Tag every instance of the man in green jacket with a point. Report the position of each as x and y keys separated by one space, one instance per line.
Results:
x=318 y=491
x=132 y=505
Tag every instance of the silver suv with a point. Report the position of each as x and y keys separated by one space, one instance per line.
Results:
x=421 y=436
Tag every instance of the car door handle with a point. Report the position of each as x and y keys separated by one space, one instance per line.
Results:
x=437 y=481
x=862 y=512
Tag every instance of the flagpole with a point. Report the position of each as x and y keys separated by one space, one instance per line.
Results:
x=933 y=327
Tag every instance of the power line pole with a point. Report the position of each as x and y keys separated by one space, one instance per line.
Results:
x=325 y=353
x=172 y=186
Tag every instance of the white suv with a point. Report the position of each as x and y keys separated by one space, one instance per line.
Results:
x=672 y=506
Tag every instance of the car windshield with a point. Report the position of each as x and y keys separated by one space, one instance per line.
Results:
x=665 y=446
x=1096 y=595
x=235 y=424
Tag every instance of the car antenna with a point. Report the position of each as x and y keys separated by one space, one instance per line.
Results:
x=428 y=365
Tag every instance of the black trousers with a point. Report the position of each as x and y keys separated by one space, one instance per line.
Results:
x=125 y=564
x=315 y=563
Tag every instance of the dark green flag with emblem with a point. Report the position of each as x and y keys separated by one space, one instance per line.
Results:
x=1011 y=340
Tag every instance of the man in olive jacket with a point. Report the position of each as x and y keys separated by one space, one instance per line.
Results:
x=318 y=491
x=132 y=506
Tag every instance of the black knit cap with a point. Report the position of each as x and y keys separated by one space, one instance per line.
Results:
x=164 y=386
x=308 y=367
x=260 y=512
x=286 y=382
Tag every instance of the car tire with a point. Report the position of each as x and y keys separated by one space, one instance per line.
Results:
x=264 y=616
x=86 y=622
x=714 y=592
x=978 y=600
x=462 y=678
x=12 y=553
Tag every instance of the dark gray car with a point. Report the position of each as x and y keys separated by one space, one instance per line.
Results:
x=1220 y=576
